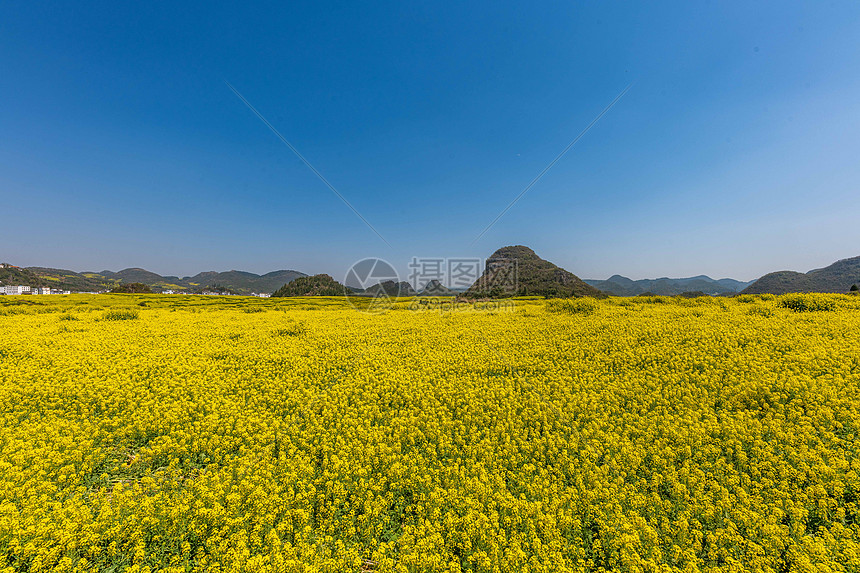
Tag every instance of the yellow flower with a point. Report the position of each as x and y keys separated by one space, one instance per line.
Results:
x=647 y=434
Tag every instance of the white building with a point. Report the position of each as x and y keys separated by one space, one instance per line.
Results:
x=16 y=289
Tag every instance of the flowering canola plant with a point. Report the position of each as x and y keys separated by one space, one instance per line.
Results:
x=159 y=433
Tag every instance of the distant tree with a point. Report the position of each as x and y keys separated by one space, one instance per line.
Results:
x=317 y=285
x=133 y=288
x=854 y=288
x=216 y=289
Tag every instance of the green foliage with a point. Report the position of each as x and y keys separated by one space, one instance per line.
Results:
x=121 y=314
x=806 y=303
x=835 y=278
x=17 y=276
x=653 y=299
x=853 y=288
x=317 y=285
x=132 y=288
x=296 y=329
x=518 y=271
x=67 y=280
x=584 y=306
x=220 y=289
x=236 y=282
x=763 y=311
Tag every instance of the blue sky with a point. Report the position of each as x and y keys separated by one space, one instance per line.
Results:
x=735 y=152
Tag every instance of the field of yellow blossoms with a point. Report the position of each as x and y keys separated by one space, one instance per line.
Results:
x=171 y=433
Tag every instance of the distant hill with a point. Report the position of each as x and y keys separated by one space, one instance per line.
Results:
x=132 y=288
x=436 y=288
x=390 y=288
x=317 y=285
x=244 y=282
x=135 y=275
x=233 y=281
x=838 y=277
x=109 y=279
x=18 y=276
x=622 y=286
x=62 y=279
x=534 y=276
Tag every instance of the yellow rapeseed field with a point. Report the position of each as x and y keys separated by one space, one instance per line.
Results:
x=144 y=433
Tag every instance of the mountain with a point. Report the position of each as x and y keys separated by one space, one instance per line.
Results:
x=436 y=288
x=132 y=288
x=622 y=286
x=136 y=275
x=64 y=279
x=733 y=284
x=518 y=271
x=236 y=281
x=390 y=288
x=10 y=275
x=243 y=282
x=317 y=285
x=838 y=277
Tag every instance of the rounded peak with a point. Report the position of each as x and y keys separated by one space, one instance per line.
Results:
x=514 y=252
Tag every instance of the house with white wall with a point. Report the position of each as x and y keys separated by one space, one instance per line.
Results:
x=16 y=289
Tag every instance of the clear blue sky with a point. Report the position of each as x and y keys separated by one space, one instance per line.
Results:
x=734 y=154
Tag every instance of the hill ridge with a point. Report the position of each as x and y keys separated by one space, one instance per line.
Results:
x=316 y=285
x=242 y=282
x=834 y=278
x=619 y=285
x=532 y=275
